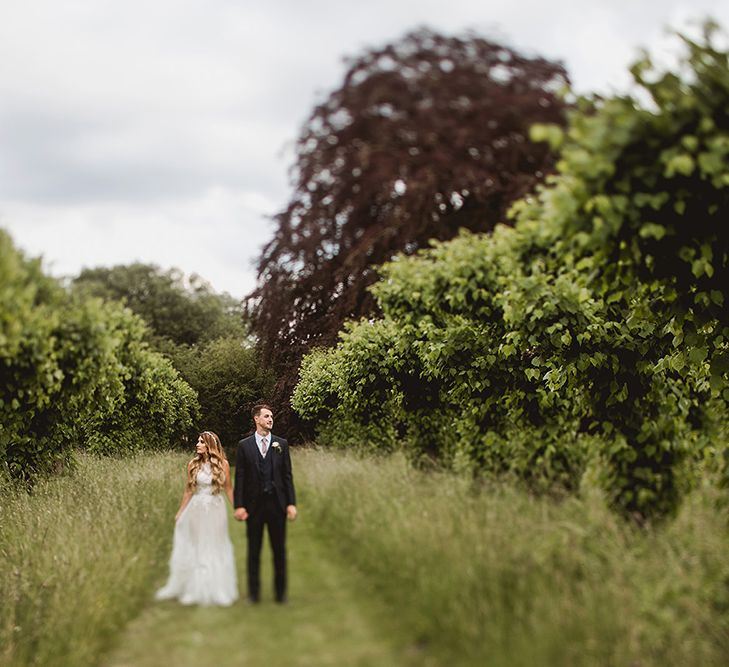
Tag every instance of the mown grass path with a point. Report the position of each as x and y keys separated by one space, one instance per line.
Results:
x=331 y=619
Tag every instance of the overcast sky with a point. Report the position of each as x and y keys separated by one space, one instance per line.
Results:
x=161 y=130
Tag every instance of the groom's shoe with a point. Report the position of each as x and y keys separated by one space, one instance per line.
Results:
x=282 y=599
x=252 y=600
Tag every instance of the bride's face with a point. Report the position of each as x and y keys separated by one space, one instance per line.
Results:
x=201 y=447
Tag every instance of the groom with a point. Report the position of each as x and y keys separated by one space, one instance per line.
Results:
x=264 y=495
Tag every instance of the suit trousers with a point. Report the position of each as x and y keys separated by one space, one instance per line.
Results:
x=269 y=514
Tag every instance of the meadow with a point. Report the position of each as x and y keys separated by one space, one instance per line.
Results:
x=487 y=574
x=80 y=555
x=389 y=566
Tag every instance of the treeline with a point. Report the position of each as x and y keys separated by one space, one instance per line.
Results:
x=115 y=360
x=202 y=332
x=590 y=338
x=78 y=372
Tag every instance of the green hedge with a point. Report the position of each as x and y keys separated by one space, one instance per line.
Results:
x=75 y=372
x=591 y=336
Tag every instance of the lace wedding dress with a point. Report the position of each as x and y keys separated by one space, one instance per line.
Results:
x=202 y=568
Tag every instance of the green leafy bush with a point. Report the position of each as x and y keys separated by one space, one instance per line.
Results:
x=76 y=372
x=228 y=378
x=203 y=333
x=591 y=336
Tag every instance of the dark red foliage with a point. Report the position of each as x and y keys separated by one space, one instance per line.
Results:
x=425 y=136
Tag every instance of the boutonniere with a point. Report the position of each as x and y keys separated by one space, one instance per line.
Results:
x=277 y=446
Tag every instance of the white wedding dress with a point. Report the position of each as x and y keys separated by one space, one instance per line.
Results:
x=202 y=567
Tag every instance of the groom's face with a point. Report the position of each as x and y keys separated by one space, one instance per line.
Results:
x=264 y=420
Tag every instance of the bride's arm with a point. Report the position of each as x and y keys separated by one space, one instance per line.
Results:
x=229 y=484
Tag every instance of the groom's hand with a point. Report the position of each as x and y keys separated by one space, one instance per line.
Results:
x=241 y=514
x=291 y=512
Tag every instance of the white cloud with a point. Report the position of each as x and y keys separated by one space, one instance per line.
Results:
x=218 y=235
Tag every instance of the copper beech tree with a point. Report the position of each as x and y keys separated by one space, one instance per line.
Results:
x=425 y=136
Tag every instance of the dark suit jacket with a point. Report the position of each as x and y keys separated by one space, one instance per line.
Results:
x=248 y=479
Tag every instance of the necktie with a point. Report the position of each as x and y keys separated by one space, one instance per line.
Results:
x=264 y=446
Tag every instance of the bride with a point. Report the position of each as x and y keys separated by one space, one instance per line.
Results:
x=202 y=568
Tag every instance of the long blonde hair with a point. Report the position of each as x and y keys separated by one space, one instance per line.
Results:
x=216 y=458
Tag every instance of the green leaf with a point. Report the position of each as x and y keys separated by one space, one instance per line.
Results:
x=680 y=164
x=697 y=355
x=652 y=230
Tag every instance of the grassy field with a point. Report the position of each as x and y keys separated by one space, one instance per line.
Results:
x=492 y=576
x=389 y=566
x=80 y=555
x=331 y=620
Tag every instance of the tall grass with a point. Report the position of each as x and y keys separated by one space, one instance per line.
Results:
x=81 y=555
x=485 y=576
x=493 y=576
